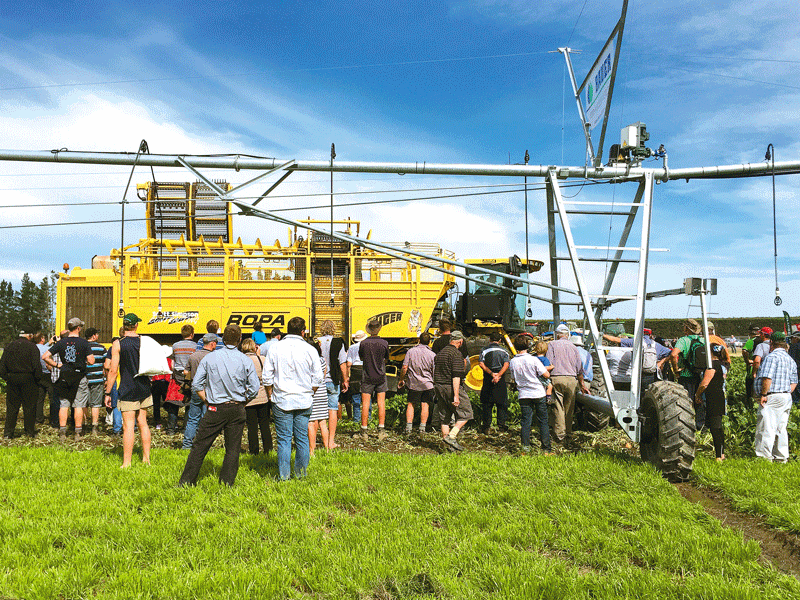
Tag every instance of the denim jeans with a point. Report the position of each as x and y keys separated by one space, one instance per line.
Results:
x=197 y=408
x=333 y=395
x=287 y=424
x=116 y=415
x=528 y=405
x=357 y=407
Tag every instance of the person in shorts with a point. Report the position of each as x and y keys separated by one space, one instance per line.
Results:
x=134 y=395
x=418 y=364
x=373 y=352
x=75 y=353
x=451 y=398
x=95 y=378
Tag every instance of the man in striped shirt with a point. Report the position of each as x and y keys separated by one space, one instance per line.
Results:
x=777 y=379
x=95 y=377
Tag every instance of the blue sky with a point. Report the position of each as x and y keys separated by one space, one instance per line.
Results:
x=463 y=81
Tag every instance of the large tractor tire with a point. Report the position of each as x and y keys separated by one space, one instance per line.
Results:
x=588 y=420
x=668 y=428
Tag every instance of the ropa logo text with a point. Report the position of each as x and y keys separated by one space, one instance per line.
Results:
x=387 y=317
x=250 y=319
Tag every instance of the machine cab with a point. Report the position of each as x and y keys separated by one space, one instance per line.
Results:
x=486 y=303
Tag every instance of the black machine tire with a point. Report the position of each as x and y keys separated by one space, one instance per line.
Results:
x=668 y=430
x=589 y=420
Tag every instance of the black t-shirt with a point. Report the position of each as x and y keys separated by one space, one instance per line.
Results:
x=374 y=352
x=73 y=352
x=132 y=387
x=715 y=392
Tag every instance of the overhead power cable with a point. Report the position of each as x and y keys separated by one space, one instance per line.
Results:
x=297 y=70
x=392 y=201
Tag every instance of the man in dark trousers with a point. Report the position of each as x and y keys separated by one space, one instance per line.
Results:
x=22 y=374
x=226 y=380
x=494 y=363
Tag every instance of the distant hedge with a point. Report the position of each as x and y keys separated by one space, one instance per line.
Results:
x=672 y=328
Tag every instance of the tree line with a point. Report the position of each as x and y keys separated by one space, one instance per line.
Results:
x=28 y=308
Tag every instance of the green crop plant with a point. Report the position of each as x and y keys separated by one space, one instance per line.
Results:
x=365 y=525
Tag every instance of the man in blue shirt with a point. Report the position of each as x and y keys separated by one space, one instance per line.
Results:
x=226 y=380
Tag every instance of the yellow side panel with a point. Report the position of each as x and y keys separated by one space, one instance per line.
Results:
x=403 y=307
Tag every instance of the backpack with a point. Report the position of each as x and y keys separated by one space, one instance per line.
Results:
x=649 y=357
x=695 y=358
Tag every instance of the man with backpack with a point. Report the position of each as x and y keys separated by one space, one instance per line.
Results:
x=688 y=360
x=654 y=355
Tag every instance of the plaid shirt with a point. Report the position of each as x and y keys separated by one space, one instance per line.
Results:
x=780 y=368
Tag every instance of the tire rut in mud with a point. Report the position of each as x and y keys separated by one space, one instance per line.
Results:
x=779 y=549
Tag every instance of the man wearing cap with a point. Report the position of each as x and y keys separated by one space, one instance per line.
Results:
x=211 y=327
x=686 y=377
x=134 y=396
x=777 y=379
x=567 y=380
x=760 y=352
x=75 y=353
x=355 y=369
x=747 y=354
x=226 y=380
x=22 y=374
x=451 y=398
x=197 y=408
x=654 y=355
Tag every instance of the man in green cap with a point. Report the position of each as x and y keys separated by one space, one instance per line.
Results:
x=134 y=396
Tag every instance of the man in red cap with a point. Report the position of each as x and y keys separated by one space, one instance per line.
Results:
x=747 y=354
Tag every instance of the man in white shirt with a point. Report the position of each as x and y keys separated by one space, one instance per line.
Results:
x=292 y=373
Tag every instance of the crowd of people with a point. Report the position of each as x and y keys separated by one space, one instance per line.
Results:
x=304 y=386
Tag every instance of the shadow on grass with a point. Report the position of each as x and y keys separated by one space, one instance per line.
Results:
x=266 y=465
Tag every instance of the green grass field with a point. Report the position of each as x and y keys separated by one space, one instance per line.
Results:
x=769 y=490
x=365 y=525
